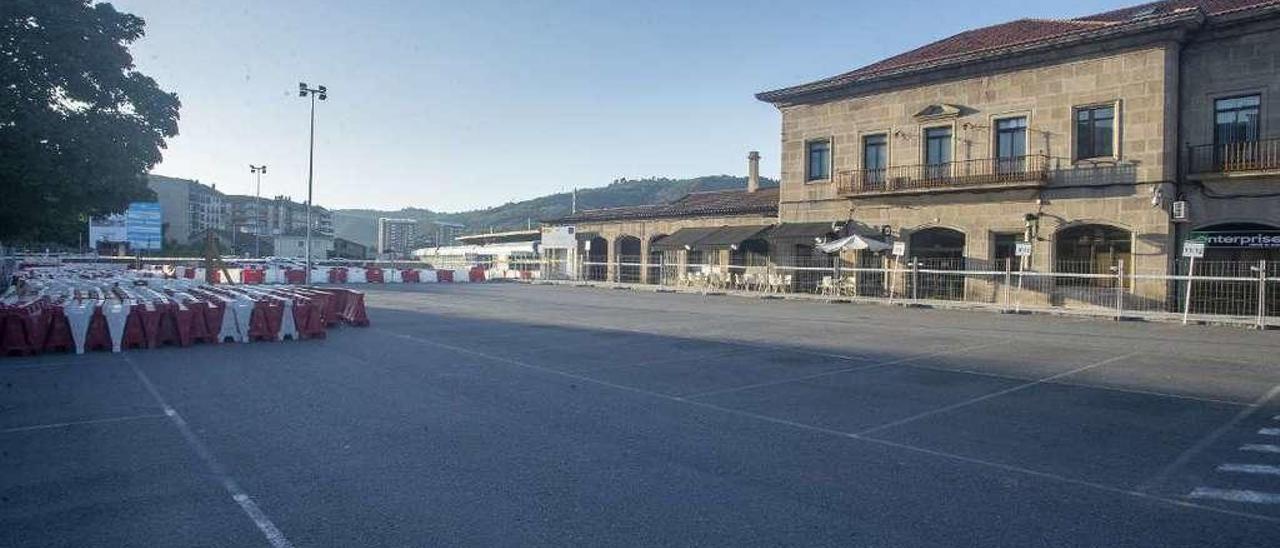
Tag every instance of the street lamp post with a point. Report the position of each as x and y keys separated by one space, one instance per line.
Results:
x=322 y=93
x=257 y=209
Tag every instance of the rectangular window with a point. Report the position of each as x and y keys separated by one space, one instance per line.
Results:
x=1236 y=119
x=1011 y=144
x=1005 y=252
x=937 y=151
x=818 y=167
x=875 y=157
x=1095 y=132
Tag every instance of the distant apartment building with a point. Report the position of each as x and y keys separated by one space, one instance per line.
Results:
x=283 y=216
x=190 y=209
x=396 y=237
x=440 y=233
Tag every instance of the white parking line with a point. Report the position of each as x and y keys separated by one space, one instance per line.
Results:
x=996 y=394
x=1265 y=469
x=78 y=423
x=1260 y=447
x=1236 y=495
x=250 y=508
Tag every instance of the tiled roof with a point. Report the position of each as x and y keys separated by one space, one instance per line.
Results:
x=1014 y=34
x=694 y=204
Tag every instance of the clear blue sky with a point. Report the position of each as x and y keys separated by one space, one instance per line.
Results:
x=454 y=105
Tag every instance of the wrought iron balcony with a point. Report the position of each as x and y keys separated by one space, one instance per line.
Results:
x=1015 y=171
x=1234 y=158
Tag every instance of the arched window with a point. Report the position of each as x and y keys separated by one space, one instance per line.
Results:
x=629 y=259
x=1092 y=249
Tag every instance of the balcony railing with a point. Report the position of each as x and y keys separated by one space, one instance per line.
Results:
x=1244 y=156
x=1018 y=170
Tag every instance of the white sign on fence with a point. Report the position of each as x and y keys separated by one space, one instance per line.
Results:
x=899 y=248
x=1022 y=249
x=1193 y=249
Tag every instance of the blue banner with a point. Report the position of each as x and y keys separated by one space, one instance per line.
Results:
x=143 y=223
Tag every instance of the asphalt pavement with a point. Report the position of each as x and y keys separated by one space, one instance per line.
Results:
x=531 y=415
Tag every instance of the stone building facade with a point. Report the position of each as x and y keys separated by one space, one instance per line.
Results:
x=1073 y=135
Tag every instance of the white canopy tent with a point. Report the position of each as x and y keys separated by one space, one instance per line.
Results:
x=853 y=242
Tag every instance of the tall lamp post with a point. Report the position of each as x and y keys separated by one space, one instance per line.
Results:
x=321 y=93
x=257 y=209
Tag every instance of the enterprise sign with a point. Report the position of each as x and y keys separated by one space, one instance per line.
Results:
x=1237 y=240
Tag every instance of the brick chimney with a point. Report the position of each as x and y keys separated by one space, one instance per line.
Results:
x=753 y=171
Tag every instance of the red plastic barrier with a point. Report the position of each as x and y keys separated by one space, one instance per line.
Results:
x=15 y=333
x=308 y=317
x=444 y=276
x=199 y=328
x=264 y=321
x=410 y=276
x=98 y=336
x=373 y=275
x=58 y=338
x=170 y=332
x=253 y=276
x=338 y=275
x=151 y=322
x=213 y=320
x=135 y=332
x=189 y=273
x=295 y=276
x=476 y=274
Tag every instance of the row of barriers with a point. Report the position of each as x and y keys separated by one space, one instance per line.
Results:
x=93 y=312
x=326 y=274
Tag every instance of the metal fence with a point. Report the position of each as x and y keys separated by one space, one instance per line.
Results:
x=1245 y=293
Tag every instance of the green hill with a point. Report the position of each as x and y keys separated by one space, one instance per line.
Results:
x=360 y=225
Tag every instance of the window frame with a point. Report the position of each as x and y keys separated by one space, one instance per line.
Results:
x=831 y=149
x=924 y=143
x=862 y=140
x=1116 y=131
x=995 y=133
x=1213 y=113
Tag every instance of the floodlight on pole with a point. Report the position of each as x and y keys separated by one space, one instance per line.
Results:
x=257 y=209
x=322 y=93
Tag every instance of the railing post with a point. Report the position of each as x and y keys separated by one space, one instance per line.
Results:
x=915 y=279
x=1119 y=289
x=890 y=273
x=1262 y=293
x=1008 y=268
x=1186 y=302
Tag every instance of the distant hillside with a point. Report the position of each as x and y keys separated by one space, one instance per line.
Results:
x=360 y=225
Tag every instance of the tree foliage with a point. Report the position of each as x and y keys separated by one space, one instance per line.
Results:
x=79 y=126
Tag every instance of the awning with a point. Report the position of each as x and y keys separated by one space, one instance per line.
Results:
x=680 y=238
x=729 y=236
x=807 y=231
x=853 y=242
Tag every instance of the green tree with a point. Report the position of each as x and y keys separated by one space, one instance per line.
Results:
x=79 y=127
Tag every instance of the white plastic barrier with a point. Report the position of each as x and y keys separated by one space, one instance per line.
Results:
x=116 y=314
x=78 y=317
x=274 y=275
x=427 y=276
x=461 y=275
x=356 y=276
x=320 y=274
x=392 y=276
x=287 y=327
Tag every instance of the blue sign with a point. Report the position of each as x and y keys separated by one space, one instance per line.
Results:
x=143 y=223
